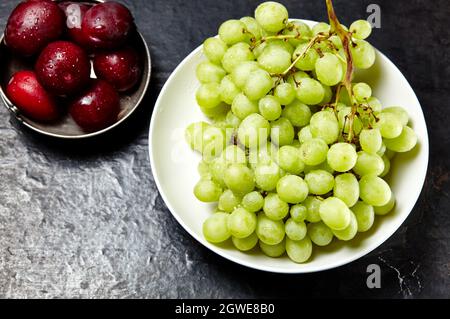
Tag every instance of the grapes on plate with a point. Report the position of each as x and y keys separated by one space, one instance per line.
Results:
x=295 y=153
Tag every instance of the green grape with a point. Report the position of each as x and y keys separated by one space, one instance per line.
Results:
x=259 y=49
x=335 y=214
x=363 y=54
x=269 y=231
x=228 y=201
x=203 y=169
x=342 y=157
x=236 y=55
x=399 y=112
x=322 y=166
x=270 y=108
x=320 y=27
x=253 y=131
x=218 y=166
x=312 y=205
x=232 y=120
x=283 y=45
x=365 y=216
x=267 y=176
x=361 y=29
x=298 y=213
x=241 y=72
x=308 y=61
x=389 y=153
x=295 y=79
x=336 y=41
x=313 y=151
x=382 y=150
x=271 y=16
x=299 y=251
x=194 y=135
x=295 y=230
x=320 y=234
x=242 y=106
x=275 y=59
x=208 y=72
x=390 y=125
x=343 y=117
x=299 y=29
x=252 y=26
x=273 y=251
x=329 y=70
x=261 y=154
x=324 y=125
x=288 y=158
x=241 y=223
x=374 y=190
x=310 y=91
x=232 y=32
x=387 y=166
x=368 y=164
x=346 y=188
x=234 y=154
x=214 y=49
x=405 y=142
x=245 y=244
x=362 y=91
x=350 y=231
x=215 y=228
x=305 y=135
x=319 y=182
x=292 y=189
x=239 y=178
x=228 y=90
x=216 y=112
x=327 y=96
x=282 y=132
x=374 y=104
x=285 y=93
x=207 y=191
x=370 y=140
x=387 y=208
x=208 y=95
x=297 y=113
x=258 y=84
x=274 y=207
x=253 y=202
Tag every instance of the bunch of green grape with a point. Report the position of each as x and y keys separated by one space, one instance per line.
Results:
x=289 y=156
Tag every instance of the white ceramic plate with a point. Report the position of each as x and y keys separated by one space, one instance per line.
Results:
x=174 y=167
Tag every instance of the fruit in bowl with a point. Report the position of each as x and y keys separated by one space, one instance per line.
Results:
x=64 y=40
x=63 y=68
x=32 y=25
x=292 y=142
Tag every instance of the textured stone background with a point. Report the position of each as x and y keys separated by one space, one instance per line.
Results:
x=85 y=219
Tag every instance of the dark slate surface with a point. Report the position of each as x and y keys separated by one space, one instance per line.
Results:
x=85 y=219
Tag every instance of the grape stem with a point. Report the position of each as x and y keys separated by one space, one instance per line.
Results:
x=311 y=43
x=278 y=37
x=346 y=40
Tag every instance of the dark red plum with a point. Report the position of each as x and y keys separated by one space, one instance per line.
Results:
x=75 y=12
x=63 y=68
x=107 y=25
x=121 y=68
x=97 y=107
x=32 y=25
x=25 y=92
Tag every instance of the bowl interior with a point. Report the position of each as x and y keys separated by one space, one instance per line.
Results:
x=66 y=126
x=174 y=167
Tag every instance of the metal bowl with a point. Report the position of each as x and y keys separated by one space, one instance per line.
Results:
x=66 y=127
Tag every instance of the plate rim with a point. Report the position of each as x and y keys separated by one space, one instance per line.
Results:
x=363 y=252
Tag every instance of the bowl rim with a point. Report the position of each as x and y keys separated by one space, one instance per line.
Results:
x=146 y=78
x=363 y=252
